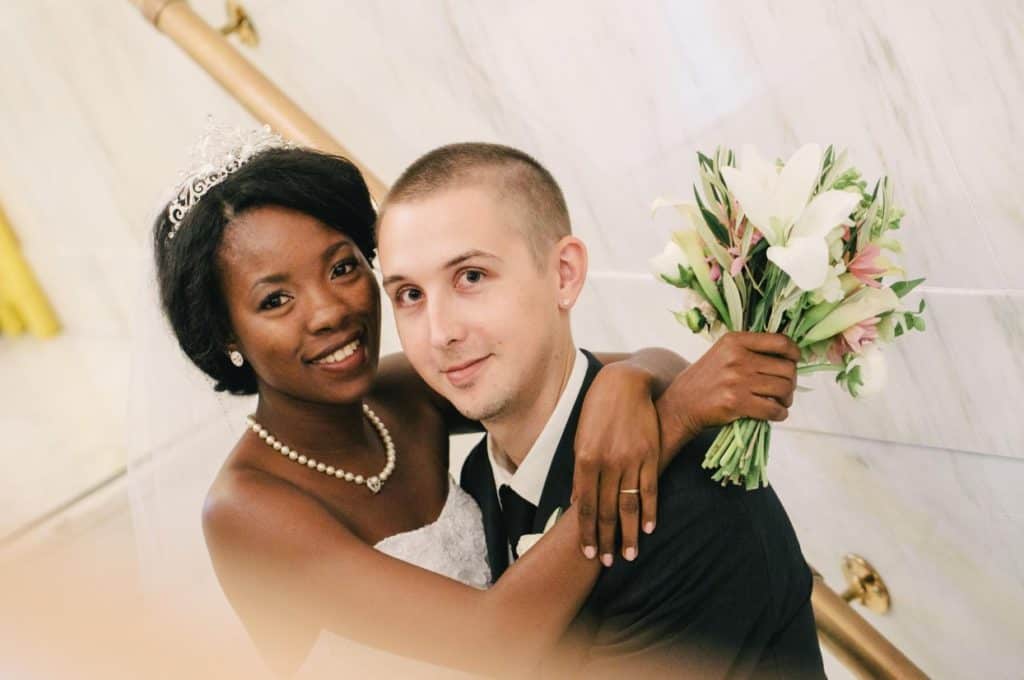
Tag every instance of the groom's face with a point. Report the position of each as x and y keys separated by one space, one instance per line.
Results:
x=476 y=310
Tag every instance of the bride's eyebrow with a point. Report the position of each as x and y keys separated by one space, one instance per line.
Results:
x=328 y=253
x=332 y=249
x=270 y=278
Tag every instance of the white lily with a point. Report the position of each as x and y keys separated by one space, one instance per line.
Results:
x=776 y=202
x=832 y=289
x=667 y=264
x=773 y=199
x=873 y=372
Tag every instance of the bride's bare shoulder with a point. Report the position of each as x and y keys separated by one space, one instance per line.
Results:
x=247 y=506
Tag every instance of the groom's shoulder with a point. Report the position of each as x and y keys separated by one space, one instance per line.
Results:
x=476 y=465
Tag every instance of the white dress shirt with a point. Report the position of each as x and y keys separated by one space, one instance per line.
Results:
x=529 y=478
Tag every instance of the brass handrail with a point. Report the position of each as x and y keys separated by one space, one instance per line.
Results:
x=243 y=81
x=852 y=640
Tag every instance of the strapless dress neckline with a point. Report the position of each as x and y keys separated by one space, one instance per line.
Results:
x=453 y=545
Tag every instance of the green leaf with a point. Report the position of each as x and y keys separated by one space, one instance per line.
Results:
x=920 y=307
x=705 y=161
x=813 y=316
x=816 y=368
x=732 y=298
x=673 y=282
x=898 y=330
x=901 y=288
x=690 y=241
x=720 y=232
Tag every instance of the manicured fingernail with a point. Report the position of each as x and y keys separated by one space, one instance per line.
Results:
x=590 y=552
x=649 y=528
x=606 y=559
x=630 y=554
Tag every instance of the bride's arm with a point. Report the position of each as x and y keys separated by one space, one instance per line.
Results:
x=286 y=563
x=617 y=445
x=655 y=366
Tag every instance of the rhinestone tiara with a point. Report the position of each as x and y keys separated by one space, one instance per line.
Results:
x=221 y=151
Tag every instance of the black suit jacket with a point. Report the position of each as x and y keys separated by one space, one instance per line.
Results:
x=721 y=589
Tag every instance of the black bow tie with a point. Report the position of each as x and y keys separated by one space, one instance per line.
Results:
x=518 y=514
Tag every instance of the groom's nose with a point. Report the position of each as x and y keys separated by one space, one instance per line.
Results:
x=446 y=327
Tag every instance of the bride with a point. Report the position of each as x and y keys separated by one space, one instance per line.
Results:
x=335 y=510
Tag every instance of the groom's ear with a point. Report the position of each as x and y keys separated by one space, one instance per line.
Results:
x=570 y=255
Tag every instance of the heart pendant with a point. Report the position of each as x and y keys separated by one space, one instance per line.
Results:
x=373 y=483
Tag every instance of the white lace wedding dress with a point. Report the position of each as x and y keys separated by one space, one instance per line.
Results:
x=454 y=546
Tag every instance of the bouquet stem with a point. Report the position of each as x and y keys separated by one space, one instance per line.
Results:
x=739 y=454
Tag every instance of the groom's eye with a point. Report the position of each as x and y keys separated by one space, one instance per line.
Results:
x=471 y=276
x=408 y=296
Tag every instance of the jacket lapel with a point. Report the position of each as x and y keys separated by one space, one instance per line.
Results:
x=478 y=479
x=558 y=487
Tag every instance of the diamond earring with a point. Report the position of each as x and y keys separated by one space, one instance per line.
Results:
x=236 y=358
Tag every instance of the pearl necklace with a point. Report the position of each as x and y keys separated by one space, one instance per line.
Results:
x=373 y=483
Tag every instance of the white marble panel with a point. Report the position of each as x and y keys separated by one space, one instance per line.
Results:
x=958 y=385
x=616 y=97
x=965 y=63
x=942 y=527
x=92 y=130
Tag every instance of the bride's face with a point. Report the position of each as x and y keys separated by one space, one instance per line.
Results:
x=303 y=303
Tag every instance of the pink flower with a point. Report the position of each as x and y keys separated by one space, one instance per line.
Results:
x=716 y=269
x=737 y=262
x=854 y=339
x=836 y=349
x=737 y=266
x=865 y=267
x=862 y=334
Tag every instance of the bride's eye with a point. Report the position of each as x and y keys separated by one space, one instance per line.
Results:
x=273 y=301
x=344 y=267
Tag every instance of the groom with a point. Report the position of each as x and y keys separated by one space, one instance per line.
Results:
x=481 y=267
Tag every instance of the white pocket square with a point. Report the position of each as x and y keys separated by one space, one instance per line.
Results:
x=527 y=541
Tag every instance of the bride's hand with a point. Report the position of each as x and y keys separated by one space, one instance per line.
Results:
x=743 y=375
x=617 y=449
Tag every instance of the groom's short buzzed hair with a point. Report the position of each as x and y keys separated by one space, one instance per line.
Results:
x=513 y=174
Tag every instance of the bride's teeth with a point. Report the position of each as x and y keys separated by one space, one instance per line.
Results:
x=341 y=354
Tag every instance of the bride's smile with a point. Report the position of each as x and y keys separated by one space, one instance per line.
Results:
x=303 y=303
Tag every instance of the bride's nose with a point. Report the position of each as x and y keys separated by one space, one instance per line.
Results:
x=326 y=311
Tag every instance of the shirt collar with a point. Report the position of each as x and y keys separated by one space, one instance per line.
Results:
x=529 y=478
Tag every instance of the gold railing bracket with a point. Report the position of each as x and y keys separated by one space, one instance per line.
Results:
x=240 y=22
x=864 y=584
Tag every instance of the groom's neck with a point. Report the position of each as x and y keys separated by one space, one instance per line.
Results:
x=514 y=432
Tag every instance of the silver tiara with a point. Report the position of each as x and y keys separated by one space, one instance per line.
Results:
x=219 y=152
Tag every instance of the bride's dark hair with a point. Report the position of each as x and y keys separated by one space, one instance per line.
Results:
x=328 y=188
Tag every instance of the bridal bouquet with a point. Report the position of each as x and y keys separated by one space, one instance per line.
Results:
x=802 y=248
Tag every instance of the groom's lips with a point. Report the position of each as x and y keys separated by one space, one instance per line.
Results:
x=462 y=374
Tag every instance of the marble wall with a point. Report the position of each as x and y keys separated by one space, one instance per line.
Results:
x=616 y=98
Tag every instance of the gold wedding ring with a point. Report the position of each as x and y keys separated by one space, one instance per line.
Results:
x=629 y=490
